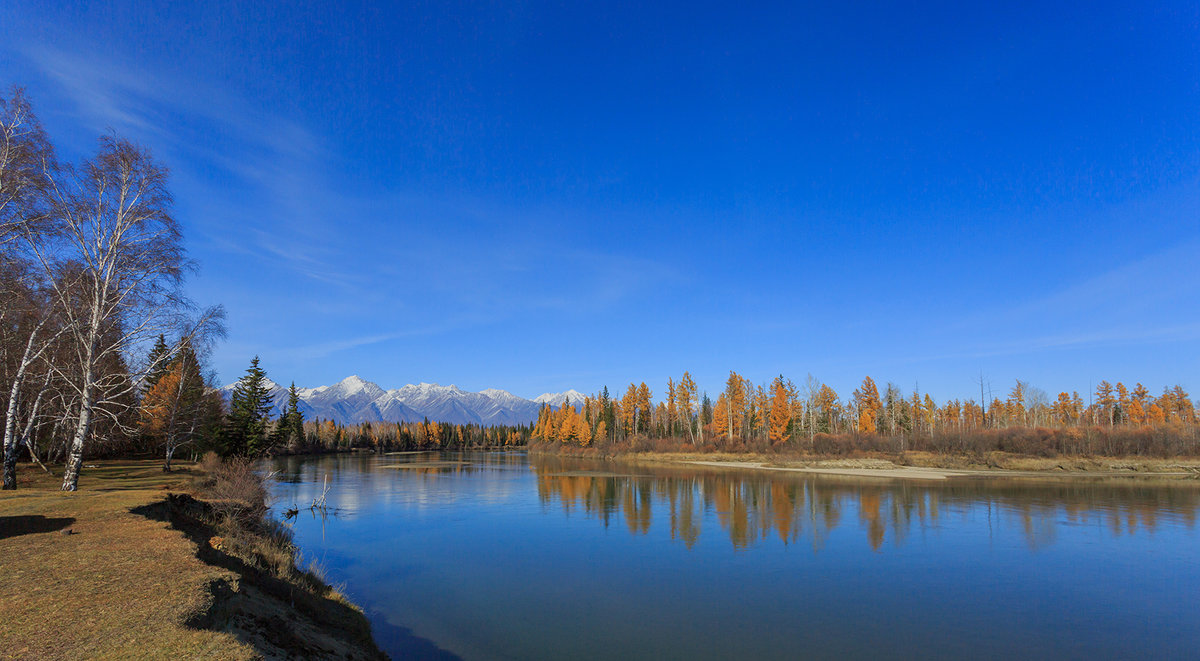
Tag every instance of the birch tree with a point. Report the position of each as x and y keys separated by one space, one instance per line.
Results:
x=118 y=234
x=27 y=164
x=685 y=401
x=26 y=156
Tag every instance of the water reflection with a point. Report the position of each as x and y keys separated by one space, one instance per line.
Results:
x=362 y=479
x=752 y=506
x=502 y=555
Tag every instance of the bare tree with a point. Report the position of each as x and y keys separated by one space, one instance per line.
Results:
x=28 y=324
x=39 y=337
x=118 y=235
x=26 y=156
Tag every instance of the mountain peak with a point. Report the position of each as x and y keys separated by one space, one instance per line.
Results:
x=556 y=398
x=354 y=399
x=353 y=385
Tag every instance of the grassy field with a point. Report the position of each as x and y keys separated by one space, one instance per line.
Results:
x=102 y=573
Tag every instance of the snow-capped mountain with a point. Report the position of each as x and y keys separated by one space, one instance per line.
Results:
x=355 y=399
x=556 y=398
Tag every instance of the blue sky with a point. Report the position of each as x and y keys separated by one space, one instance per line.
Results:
x=547 y=196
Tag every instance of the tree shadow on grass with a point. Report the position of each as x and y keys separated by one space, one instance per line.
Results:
x=273 y=629
x=12 y=526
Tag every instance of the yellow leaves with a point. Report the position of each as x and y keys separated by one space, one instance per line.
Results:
x=629 y=405
x=600 y=433
x=1137 y=413
x=158 y=403
x=777 y=429
x=776 y=411
x=685 y=394
x=643 y=399
x=1157 y=415
x=866 y=421
x=721 y=416
x=866 y=400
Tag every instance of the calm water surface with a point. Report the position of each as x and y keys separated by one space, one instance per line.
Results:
x=501 y=555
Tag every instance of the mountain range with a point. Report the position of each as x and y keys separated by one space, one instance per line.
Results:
x=354 y=399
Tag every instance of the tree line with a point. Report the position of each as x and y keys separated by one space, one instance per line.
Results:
x=782 y=415
x=329 y=436
x=251 y=430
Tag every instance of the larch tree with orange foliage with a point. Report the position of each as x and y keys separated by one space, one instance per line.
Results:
x=781 y=418
x=178 y=408
x=866 y=400
x=720 y=418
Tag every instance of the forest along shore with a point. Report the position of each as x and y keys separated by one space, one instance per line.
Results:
x=145 y=564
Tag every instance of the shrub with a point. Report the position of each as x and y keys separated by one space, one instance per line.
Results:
x=236 y=494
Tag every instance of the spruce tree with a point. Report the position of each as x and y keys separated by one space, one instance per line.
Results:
x=295 y=419
x=279 y=433
x=608 y=416
x=249 y=413
x=159 y=364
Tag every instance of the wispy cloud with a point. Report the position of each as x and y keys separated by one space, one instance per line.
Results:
x=111 y=93
x=274 y=162
x=1146 y=301
x=1157 y=280
x=267 y=202
x=1084 y=339
x=323 y=349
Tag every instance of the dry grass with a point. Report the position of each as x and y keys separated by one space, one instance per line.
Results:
x=139 y=579
x=121 y=586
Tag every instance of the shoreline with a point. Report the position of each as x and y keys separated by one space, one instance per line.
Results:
x=934 y=473
x=132 y=568
x=918 y=466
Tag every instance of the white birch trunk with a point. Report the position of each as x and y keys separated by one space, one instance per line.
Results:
x=84 y=426
x=11 y=447
x=31 y=425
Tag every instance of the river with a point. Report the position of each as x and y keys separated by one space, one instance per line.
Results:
x=510 y=556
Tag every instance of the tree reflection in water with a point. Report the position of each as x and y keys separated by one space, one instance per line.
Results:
x=795 y=507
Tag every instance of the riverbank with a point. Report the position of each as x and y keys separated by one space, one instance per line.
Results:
x=130 y=566
x=914 y=465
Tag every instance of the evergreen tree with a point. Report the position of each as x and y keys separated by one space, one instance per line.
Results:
x=159 y=364
x=249 y=413
x=607 y=416
x=279 y=432
x=176 y=411
x=294 y=436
